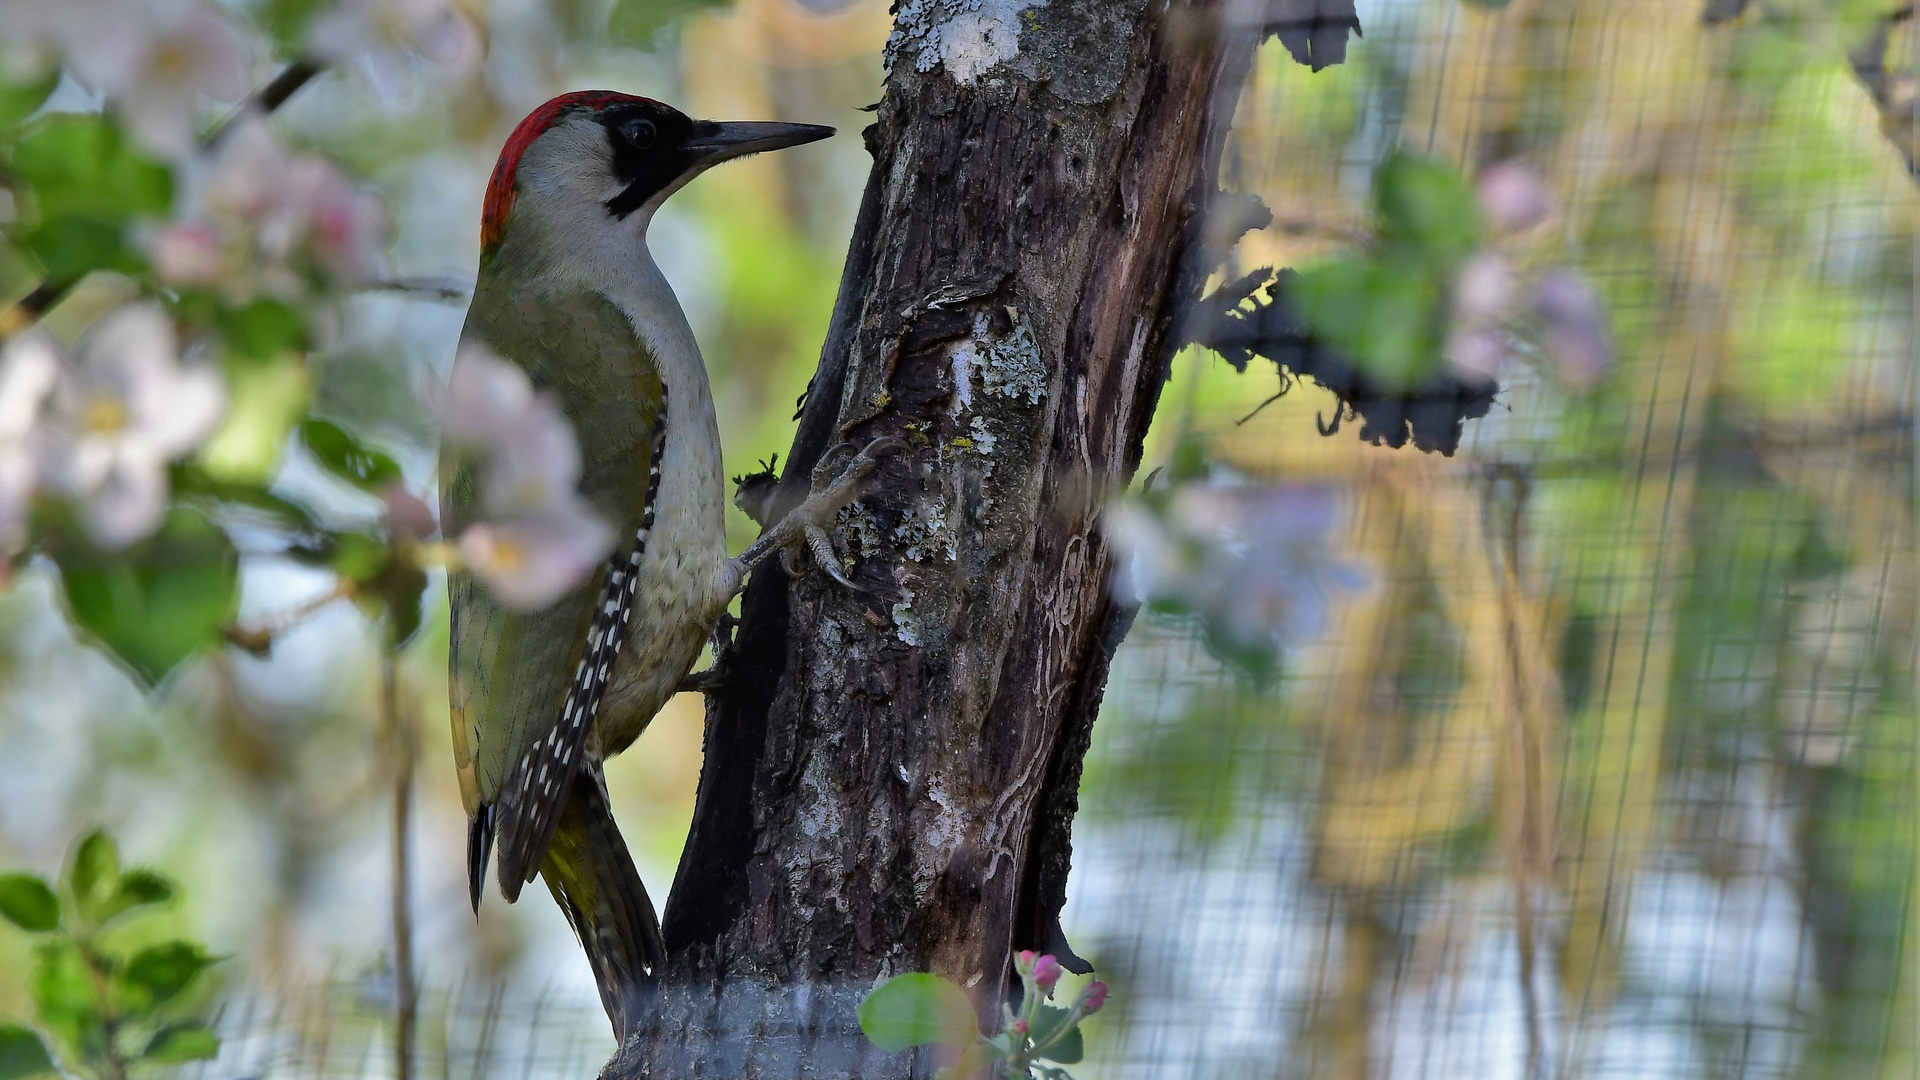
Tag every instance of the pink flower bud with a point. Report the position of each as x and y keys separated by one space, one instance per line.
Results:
x=1023 y=961
x=1019 y=1026
x=1095 y=997
x=1513 y=197
x=408 y=516
x=1046 y=972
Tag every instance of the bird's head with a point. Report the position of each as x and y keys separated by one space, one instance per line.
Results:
x=598 y=161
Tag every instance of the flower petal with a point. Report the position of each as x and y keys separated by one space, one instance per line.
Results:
x=1577 y=335
x=127 y=506
x=530 y=562
x=1513 y=197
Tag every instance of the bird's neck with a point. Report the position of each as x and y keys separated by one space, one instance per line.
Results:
x=640 y=290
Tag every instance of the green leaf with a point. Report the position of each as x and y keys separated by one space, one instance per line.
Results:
x=358 y=557
x=189 y=1040
x=136 y=888
x=158 y=974
x=347 y=457
x=263 y=329
x=80 y=163
x=29 y=903
x=22 y=1054
x=916 y=1009
x=159 y=602
x=1382 y=312
x=95 y=869
x=64 y=997
x=1426 y=207
x=401 y=586
x=71 y=247
x=636 y=22
x=287 y=21
x=88 y=181
x=1068 y=1047
x=18 y=100
x=189 y=480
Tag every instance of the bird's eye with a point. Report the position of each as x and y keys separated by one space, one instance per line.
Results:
x=638 y=133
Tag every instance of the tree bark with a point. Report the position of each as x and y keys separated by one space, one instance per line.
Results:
x=890 y=777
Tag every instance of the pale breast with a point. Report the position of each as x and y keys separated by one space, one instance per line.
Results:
x=687 y=546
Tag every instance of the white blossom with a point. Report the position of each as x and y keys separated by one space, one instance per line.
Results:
x=29 y=365
x=121 y=410
x=538 y=536
x=186 y=252
x=259 y=215
x=153 y=59
x=1253 y=560
x=1484 y=293
x=532 y=560
x=384 y=39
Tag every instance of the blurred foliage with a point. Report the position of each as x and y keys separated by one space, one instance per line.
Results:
x=159 y=603
x=104 y=1003
x=1385 y=307
x=88 y=183
x=923 y=1009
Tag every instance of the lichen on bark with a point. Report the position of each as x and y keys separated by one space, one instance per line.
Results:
x=886 y=769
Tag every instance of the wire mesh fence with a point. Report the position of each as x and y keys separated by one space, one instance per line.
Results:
x=1592 y=749
x=1609 y=767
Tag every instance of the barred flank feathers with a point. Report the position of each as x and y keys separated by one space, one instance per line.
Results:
x=537 y=787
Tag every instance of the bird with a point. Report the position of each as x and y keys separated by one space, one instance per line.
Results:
x=568 y=291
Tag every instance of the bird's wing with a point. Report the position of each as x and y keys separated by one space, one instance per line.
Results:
x=525 y=685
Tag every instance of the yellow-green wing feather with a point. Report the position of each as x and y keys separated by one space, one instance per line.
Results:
x=511 y=672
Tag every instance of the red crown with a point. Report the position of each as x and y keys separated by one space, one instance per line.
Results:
x=500 y=189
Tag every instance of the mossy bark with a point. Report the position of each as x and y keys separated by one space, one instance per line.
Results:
x=890 y=777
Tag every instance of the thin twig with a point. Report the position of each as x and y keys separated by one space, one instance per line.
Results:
x=397 y=730
x=450 y=290
x=258 y=639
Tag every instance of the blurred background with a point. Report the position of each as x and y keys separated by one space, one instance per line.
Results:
x=1588 y=750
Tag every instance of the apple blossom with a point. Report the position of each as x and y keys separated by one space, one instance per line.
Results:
x=537 y=536
x=121 y=410
x=1577 y=336
x=1253 y=560
x=1046 y=972
x=1484 y=291
x=260 y=217
x=1513 y=197
x=382 y=39
x=29 y=365
x=152 y=59
x=1094 y=997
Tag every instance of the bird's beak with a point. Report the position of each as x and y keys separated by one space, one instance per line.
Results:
x=713 y=143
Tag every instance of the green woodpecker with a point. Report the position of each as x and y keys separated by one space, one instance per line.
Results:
x=568 y=291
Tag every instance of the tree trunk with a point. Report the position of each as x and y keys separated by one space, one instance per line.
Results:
x=890 y=777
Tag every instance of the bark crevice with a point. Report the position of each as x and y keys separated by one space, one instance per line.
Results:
x=890 y=777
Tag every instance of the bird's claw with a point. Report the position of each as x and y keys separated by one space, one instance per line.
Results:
x=821 y=545
x=836 y=480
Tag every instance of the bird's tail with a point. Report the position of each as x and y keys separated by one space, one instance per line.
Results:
x=592 y=878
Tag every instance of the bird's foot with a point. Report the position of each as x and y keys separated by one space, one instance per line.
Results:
x=837 y=479
x=836 y=482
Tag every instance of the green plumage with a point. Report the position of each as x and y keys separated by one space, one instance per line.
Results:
x=511 y=671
